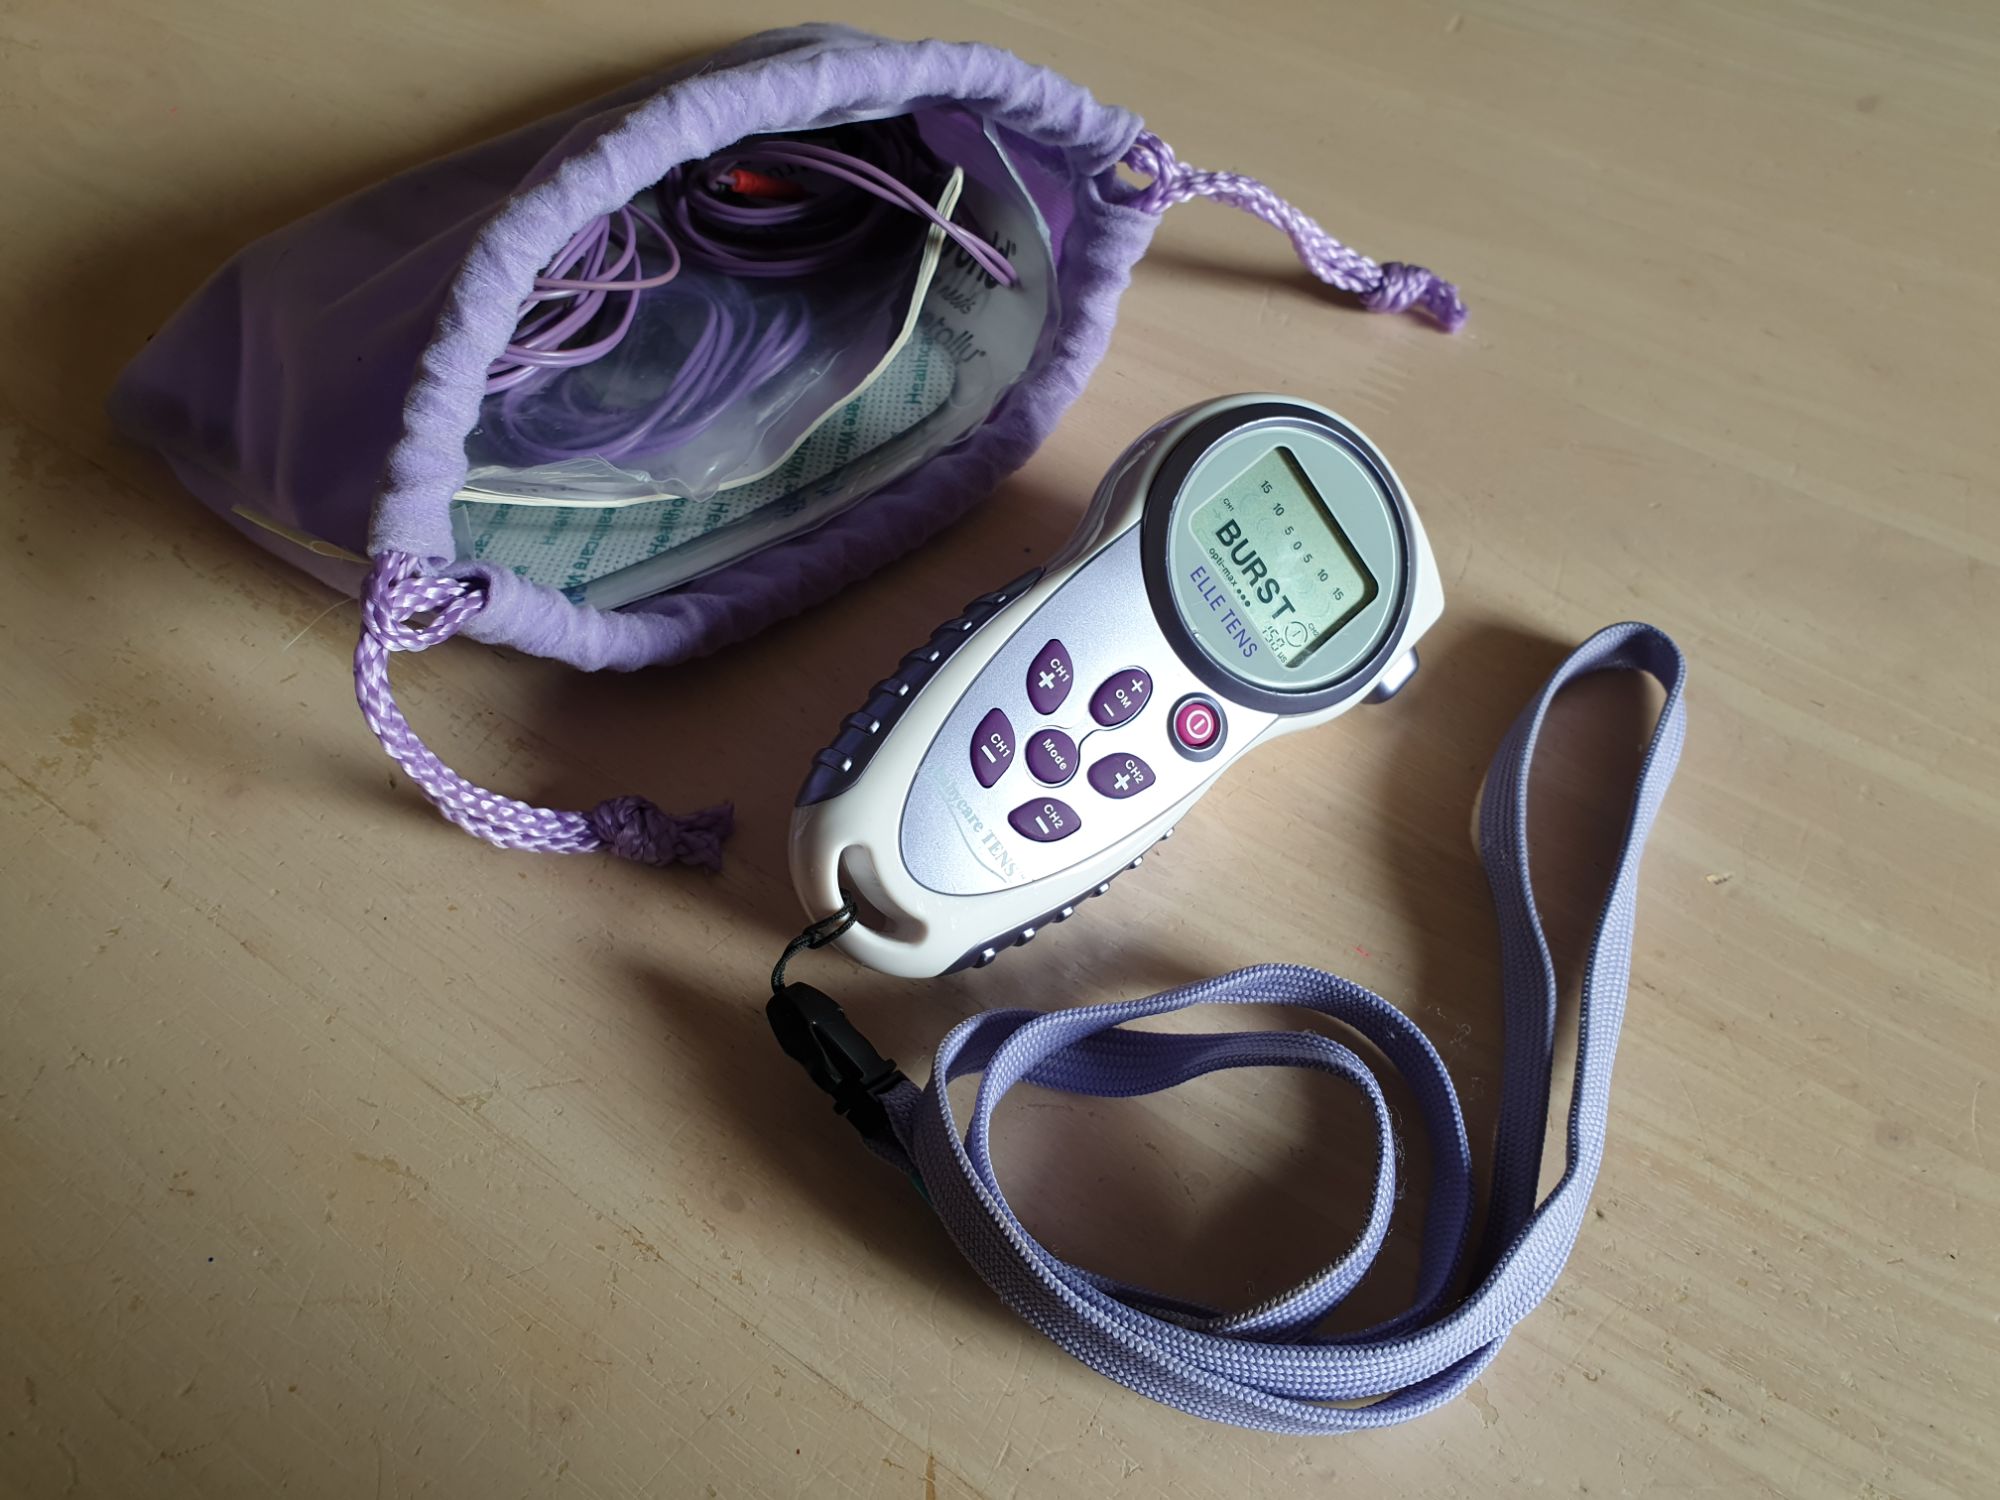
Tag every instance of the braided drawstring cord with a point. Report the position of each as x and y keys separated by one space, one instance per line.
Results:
x=406 y=608
x=1388 y=286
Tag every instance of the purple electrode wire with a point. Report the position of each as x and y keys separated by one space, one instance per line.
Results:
x=734 y=350
x=820 y=228
x=563 y=304
x=769 y=209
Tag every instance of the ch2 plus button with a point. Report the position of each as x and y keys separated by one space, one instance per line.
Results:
x=1045 y=820
x=1120 y=776
x=1196 y=726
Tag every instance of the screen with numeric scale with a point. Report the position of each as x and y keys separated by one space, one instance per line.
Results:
x=1277 y=547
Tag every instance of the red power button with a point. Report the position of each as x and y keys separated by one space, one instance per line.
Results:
x=1197 y=723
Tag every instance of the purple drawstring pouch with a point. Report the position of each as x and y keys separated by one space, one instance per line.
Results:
x=319 y=391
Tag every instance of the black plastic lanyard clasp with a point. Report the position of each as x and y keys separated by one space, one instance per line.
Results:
x=816 y=1034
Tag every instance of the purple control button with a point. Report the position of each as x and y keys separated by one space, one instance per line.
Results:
x=1051 y=756
x=1120 y=775
x=1045 y=820
x=1121 y=696
x=1050 y=677
x=992 y=747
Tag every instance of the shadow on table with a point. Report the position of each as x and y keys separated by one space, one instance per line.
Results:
x=1228 y=1190
x=1106 y=1183
x=1588 y=757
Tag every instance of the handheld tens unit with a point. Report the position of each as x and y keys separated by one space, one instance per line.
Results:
x=1248 y=567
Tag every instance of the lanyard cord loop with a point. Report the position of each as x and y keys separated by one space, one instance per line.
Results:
x=1263 y=1367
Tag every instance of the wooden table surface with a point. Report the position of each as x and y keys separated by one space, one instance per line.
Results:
x=343 y=1155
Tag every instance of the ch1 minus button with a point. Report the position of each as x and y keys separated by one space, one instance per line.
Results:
x=992 y=747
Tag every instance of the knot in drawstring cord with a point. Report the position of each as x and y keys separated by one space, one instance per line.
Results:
x=1391 y=287
x=405 y=607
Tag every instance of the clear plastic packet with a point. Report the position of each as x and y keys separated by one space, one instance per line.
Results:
x=599 y=554
x=718 y=379
x=975 y=339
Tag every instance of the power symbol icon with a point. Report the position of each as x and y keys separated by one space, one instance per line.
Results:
x=1197 y=723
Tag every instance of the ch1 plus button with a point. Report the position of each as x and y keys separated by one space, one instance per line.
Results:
x=1196 y=726
x=1050 y=676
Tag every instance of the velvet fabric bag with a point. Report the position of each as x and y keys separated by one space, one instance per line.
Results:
x=319 y=390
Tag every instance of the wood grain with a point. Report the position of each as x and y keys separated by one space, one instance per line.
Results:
x=342 y=1155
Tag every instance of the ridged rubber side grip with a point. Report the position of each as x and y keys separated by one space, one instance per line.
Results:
x=861 y=732
x=985 y=953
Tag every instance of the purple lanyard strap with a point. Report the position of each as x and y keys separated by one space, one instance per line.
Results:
x=1264 y=1367
x=400 y=588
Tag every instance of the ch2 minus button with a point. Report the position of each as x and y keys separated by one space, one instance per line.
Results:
x=1045 y=820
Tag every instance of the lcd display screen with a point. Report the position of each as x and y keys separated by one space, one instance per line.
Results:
x=1276 y=546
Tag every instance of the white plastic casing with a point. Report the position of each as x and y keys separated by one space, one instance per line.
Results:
x=856 y=841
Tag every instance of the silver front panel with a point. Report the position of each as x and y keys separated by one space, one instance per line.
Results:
x=955 y=837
